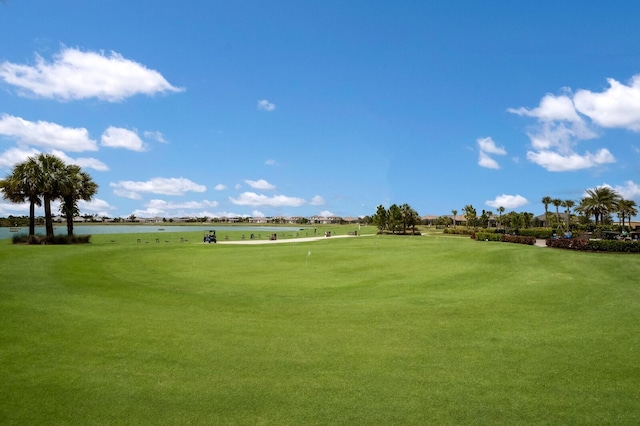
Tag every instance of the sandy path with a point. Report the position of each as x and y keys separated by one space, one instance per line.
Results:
x=291 y=240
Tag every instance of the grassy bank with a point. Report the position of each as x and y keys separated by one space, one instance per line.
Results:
x=369 y=330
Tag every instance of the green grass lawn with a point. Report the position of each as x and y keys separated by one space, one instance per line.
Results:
x=368 y=330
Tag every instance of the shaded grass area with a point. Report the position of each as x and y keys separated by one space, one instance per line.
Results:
x=367 y=330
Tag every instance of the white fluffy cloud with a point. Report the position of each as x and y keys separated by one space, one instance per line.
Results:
x=618 y=106
x=116 y=137
x=74 y=74
x=629 y=191
x=488 y=146
x=90 y=163
x=265 y=105
x=559 y=131
x=220 y=187
x=557 y=162
x=253 y=199
x=164 y=186
x=46 y=135
x=260 y=184
x=552 y=108
x=96 y=206
x=13 y=156
x=507 y=201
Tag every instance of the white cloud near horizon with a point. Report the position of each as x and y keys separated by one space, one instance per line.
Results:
x=74 y=74
x=260 y=184
x=316 y=201
x=96 y=205
x=488 y=146
x=265 y=105
x=117 y=137
x=507 y=201
x=90 y=163
x=253 y=199
x=158 y=185
x=13 y=156
x=629 y=190
x=46 y=135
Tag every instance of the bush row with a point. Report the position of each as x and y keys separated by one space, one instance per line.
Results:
x=58 y=239
x=505 y=238
x=612 y=246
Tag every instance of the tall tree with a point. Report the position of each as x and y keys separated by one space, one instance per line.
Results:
x=568 y=205
x=19 y=187
x=470 y=215
x=546 y=201
x=381 y=218
x=455 y=213
x=49 y=169
x=557 y=203
x=74 y=185
x=395 y=217
x=410 y=218
x=500 y=211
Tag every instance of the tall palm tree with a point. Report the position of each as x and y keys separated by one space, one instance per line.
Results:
x=455 y=213
x=568 y=205
x=48 y=169
x=19 y=187
x=74 y=185
x=546 y=201
x=557 y=203
x=500 y=211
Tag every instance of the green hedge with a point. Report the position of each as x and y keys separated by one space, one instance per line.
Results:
x=58 y=239
x=611 y=246
x=505 y=238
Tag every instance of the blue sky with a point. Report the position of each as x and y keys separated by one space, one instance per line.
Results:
x=301 y=108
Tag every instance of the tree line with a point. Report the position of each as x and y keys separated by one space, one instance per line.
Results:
x=44 y=178
x=600 y=203
x=396 y=218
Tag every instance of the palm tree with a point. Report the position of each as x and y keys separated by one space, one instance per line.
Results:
x=19 y=187
x=599 y=202
x=500 y=211
x=557 y=203
x=546 y=201
x=47 y=169
x=568 y=204
x=454 y=212
x=74 y=185
x=627 y=209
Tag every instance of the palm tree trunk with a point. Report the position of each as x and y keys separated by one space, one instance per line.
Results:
x=69 y=226
x=48 y=219
x=32 y=218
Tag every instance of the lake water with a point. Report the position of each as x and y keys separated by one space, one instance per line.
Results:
x=134 y=229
